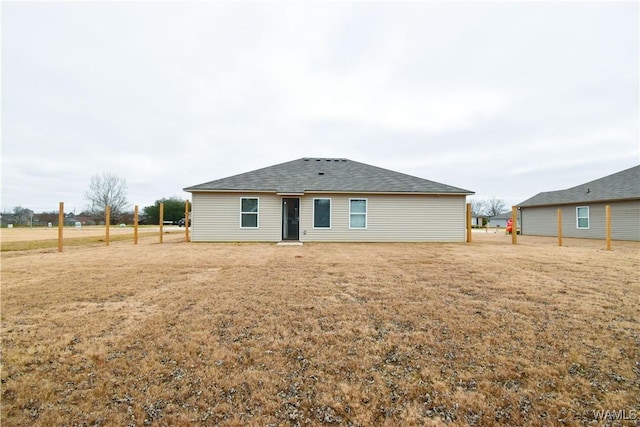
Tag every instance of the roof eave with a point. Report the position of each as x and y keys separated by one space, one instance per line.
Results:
x=211 y=190
x=419 y=193
x=282 y=192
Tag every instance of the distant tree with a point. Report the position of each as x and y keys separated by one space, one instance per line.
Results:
x=495 y=207
x=87 y=217
x=107 y=190
x=23 y=216
x=478 y=207
x=49 y=217
x=173 y=210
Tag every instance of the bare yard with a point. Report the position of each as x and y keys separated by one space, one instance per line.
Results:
x=347 y=334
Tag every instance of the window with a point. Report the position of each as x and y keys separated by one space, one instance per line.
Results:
x=582 y=217
x=321 y=213
x=248 y=212
x=358 y=213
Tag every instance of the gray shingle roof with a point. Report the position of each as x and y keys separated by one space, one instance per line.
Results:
x=326 y=175
x=624 y=185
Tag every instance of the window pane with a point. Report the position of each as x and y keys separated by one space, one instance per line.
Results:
x=249 y=220
x=582 y=214
x=358 y=206
x=358 y=221
x=249 y=205
x=321 y=213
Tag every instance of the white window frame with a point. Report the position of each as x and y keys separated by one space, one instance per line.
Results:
x=366 y=213
x=256 y=213
x=314 y=213
x=578 y=218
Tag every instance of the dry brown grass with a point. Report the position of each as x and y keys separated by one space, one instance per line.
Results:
x=22 y=239
x=347 y=334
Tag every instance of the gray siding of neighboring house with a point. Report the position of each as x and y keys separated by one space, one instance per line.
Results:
x=390 y=218
x=625 y=221
x=500 y=223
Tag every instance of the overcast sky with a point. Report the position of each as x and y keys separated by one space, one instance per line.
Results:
x=506 y=99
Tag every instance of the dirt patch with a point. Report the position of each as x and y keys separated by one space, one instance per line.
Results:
x=348 y=334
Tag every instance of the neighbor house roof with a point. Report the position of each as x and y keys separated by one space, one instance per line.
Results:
x=326 y=175
x=624 y=185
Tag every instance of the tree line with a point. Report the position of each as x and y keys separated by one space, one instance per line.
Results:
x=104 y=190
x=488 y=207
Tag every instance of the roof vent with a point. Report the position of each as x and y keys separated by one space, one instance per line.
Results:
x=588 y=190
x=320 y=173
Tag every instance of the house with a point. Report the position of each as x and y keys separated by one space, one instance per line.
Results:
x=583 y=208
x=500 y=221
x=327 y=199
x=8 y=218
x=478 y=220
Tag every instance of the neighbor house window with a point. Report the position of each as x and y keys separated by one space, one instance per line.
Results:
x=249 y=212
x=358 y=213
x=582 y=215
x=321 y=213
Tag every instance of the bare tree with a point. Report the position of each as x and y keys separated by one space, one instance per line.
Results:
x=495 y=207
x=107 y=190
x=23 y=216
x=478 y=207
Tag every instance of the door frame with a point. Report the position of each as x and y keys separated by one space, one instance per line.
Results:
x=286 y=232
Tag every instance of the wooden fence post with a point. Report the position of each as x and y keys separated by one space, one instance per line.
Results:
x=186 y=220
x=468 y=222
x=559 y=227
x=608 y=225
x=161 y=219
x=135 y=225
x=107 y=223
x=514 y=225
x=60 y=225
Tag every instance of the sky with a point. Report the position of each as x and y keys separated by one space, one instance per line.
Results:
x=506 y=99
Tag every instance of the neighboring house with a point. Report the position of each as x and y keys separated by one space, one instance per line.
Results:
x=477 y=220
x=85 y=219
x=333 y=200
x=8 y=218
x=500 y=221
x=71 y=221
x=583 y=208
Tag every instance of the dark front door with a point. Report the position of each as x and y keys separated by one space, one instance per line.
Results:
x=290 y=219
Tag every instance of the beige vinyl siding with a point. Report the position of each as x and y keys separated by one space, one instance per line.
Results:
x=390 y=218
x=216 y=218
x=625 y=221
